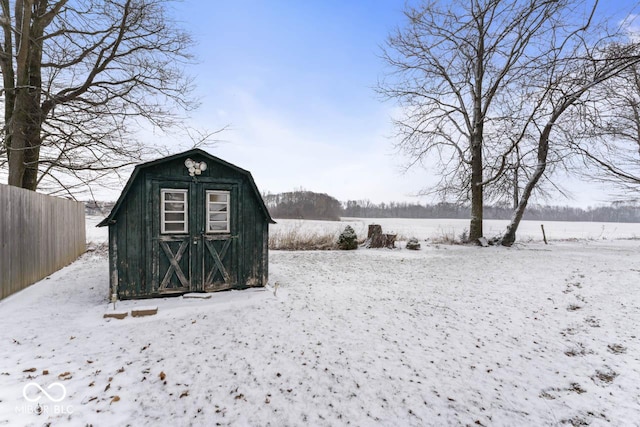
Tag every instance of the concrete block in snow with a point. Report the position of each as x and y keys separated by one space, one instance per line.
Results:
x=116 y=315
x=144 y=311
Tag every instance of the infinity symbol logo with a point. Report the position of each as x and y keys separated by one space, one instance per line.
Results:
x=37 y=386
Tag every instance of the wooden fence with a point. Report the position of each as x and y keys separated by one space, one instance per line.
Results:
x=39 y=234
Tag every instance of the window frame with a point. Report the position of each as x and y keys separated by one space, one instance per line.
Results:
x=226 y=211
x=163 y=212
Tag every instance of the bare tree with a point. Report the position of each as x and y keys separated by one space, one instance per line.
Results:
x=80 y=79
x=452 y=66
x=608 y=140
x=567 y=83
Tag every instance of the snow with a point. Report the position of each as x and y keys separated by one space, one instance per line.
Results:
x=437 y=229
x=447 y=335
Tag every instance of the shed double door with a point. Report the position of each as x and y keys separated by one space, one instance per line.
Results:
x=194 y=237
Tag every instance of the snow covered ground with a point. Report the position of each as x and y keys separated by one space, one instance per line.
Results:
x=448 y=335
x=450 y=229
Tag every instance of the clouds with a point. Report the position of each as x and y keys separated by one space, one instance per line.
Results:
x=631 y=25
x=325 y=155
x=294 y=83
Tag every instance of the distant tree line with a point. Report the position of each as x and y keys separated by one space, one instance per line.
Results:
x=615 y=212
x=303 y=204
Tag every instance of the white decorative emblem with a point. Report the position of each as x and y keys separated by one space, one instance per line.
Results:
x=195 y=168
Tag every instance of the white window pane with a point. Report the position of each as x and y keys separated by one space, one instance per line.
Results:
x=218 y=207
x=170 y=216
x=174 y=196
x=217 y=197
x=174 y=207
x=174 y=226
x=218 y=217
x=217 y=226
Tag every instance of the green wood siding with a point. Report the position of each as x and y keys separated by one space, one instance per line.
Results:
x=140 y=256
x=131 y=248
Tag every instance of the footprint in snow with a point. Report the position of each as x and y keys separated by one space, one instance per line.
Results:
x=617 y=348
x=592 y=321
x=605 y=376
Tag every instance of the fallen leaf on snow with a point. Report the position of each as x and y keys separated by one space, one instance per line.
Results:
x=65 y=376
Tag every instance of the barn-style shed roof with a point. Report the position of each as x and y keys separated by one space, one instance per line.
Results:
x=196 y=151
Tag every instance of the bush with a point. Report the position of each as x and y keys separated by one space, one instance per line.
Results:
x=348 y=239
x=413 y=244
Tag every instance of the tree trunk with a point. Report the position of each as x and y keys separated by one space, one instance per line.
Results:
x=35 y=117
x=477 y=199
x=475 y=228
x=25 y=141
x=25 y=123
x=8 y=75
x=509 y=237
x=17 y=124
x=516 y=189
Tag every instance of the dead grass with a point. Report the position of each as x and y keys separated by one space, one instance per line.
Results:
x=448 y=237
x=295 y=239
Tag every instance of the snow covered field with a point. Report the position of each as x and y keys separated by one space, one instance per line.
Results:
x=448 y=335
x=449 y=229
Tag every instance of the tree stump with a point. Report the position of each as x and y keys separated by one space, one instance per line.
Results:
x=389 y=240
x=374 y=229
x=376 y=239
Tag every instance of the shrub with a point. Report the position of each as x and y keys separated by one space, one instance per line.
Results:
x=348 y=239
x=413 y=244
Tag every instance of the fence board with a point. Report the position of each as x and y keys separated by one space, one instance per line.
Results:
x=39 y=234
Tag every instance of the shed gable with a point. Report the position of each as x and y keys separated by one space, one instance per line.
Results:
x=173 y=166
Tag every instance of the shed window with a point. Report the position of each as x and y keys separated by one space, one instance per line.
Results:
x=217 y=211
x=174 y=211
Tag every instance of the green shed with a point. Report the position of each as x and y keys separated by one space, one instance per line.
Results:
x=190 y=222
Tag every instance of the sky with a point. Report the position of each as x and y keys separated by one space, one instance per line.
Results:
x=294 y=83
